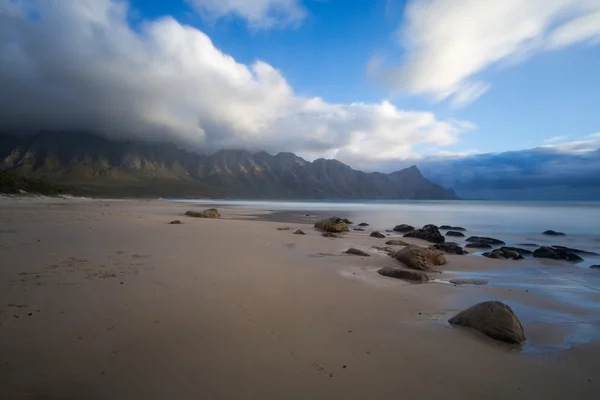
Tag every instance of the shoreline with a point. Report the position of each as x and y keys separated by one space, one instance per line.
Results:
x=213 y=299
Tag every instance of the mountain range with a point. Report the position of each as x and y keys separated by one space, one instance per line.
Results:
x=100 y=166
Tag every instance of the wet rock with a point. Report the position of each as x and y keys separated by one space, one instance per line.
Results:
x=494 y=319
x=419 y=258
x=210 y=213
x=403 y=228
x=556 y=253
x=503 y=254
x=449 y=247
x=576 y=251
x=430 y=233
x=550 y=232
x=377 y=235
x=175 y=222
x=404 y=274
x=284 y=228
x=363 y=224
x=333 y=224
x=488 y=240
x=299 y=232
x=455 y=233
x=358 y=229
x=397 y=242
x=468 y=281
x=452 y=228
x=347 y=221
x=478 y=245
x=595 y=266
x=523 y=252
x=357 y=252
x=329 y=235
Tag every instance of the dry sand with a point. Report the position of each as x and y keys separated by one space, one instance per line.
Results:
x=106 y=300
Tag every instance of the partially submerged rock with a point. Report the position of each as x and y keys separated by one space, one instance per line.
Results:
x=397 y=242
x=482 y=239
x=494 y=319
x=576 y=251
x=377 y=234
x=363 y=224
x=556 y=253
x=329 y=235
x=210 y=213
x=503 y=254
x=175 y=222
x=468 y=282
x=333 y=224
x=595 y=266
x=299 y=232
x=358 y=229
x=523 y=252
x=479 y=245
x=404 y=274
x=404 y=228
x=550 y=232
x=431 y=233
x=449 y=247
x=452 y=228
x=419 y=258
x=357 y=252
x=455 y=233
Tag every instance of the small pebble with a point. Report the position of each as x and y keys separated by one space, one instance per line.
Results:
x=343 y=366
x=30 y=314
x=121 y=283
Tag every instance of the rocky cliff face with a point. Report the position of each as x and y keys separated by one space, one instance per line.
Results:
x=138 y=168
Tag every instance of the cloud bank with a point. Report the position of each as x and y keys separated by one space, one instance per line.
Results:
x=448 y=43
x=78 y=65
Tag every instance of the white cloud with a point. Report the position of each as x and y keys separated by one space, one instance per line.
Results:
x=260 y=14
x=555 y=139
x=449 y=42
x=79 y=66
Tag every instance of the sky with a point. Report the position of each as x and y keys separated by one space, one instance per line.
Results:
x=484 y=96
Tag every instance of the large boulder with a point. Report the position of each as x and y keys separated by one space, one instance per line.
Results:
x=493 y=318
x=404 y=228
x=404 y=274
x=455 y=233
x=452 y=228
x=488 y=240
x=377 y=235
x=431 y=233
x=503 y=254
x=363 y=224
x=550 y=232
x=397 y=242
x=595 y=266
x=419 y=258
x=478 y=245
x=523 y=252
x=576 y=251
x=556 y=253
x=357 y=252
x=210 y=213
x=449 y=247
x=333 y=224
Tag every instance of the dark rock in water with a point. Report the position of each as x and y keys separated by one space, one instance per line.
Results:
x=377 y=234
x=403 y=228
x=358 y=229
x=357 y=252
x=404 y=274
x=175 y=222
x=329 y=235
x=347 y=221
x=468 y=281
x=493 y=318
x=576 y=251
x=419 y=258
x=284 y=228
x=596 y=266
x=503 y=254
x=396 y=242
x=550 y=232
x=455 y=233
x=389 y=230
x=479 y=245
x=210 y=213
x=333 y=224
x=452 y=228
x=523 y=252
x=487 y=240
x=430 y=233
x=307 y=215
x=363 y=224
x=556 y=253
x=299 y=232
x=449 y=247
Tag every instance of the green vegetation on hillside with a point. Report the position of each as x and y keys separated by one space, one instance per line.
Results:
x=14 y=184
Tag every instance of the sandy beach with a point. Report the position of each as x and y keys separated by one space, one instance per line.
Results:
x=104 y=299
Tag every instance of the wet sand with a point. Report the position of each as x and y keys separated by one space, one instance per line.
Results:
x=125 y=306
